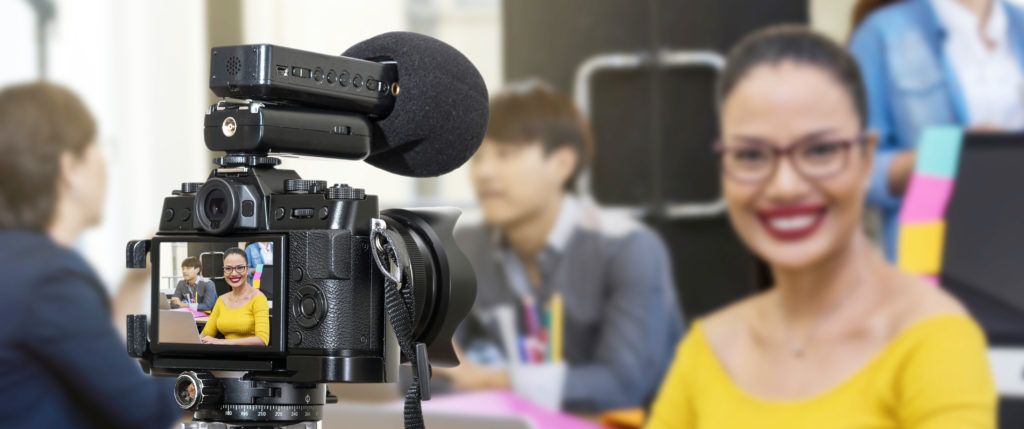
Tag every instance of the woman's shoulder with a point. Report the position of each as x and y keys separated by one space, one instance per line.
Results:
x=258 y=298
x=914 y=301
x=722 y=325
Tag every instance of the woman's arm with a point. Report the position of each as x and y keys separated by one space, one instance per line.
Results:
x=946 y=382
x=210 y=330
x=261 y=317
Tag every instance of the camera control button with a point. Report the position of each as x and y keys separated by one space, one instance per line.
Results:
x=294 y=338
x=357 y=81
x=248 y=208
x=279 y=213
x=318 y=75
x=308 y=306
x=324 y=212
x=186 y=215
x=168 y=215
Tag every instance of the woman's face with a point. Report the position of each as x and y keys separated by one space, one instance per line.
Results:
x=794 y=215
x=235 y=270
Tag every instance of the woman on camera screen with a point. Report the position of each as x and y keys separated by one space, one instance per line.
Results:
x=842 y=339
x=241 y=316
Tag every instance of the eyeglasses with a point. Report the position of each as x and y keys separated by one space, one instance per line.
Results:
x=238 y=269
x=755 y=162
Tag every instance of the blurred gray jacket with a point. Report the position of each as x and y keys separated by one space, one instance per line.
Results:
x=622 y=318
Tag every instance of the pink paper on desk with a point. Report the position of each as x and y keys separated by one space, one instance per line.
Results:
x=194 y=313
x=927 y=198
x=504 y=403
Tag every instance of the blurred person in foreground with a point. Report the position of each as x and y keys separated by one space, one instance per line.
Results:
x=842 y=339
x=538 y=239
x=928 y=63
x=61 y=362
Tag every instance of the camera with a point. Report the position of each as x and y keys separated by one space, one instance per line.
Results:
x=300 y=283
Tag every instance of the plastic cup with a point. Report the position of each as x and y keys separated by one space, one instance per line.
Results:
x=542 y=384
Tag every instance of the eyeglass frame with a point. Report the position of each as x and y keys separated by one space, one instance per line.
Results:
x=720 y=149
x=241 y=269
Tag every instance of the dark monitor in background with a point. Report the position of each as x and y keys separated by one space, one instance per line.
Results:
x=983 y=260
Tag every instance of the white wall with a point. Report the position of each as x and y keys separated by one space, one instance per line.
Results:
x=140 y=68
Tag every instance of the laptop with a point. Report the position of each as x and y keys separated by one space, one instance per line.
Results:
x=178 y=327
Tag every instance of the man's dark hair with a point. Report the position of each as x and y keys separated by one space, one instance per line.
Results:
x=191 y=262
x=533 y=111
x=235 y=251
x=38 y=123
x=793 y=43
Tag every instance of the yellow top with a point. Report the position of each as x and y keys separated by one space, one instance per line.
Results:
x=933 y=375
x=251 y=319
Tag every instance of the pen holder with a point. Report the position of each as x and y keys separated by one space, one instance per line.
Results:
x=542 y=384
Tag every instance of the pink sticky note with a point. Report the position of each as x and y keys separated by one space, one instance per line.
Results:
x=926 y=199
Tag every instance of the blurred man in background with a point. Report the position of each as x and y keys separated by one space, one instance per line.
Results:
x=192 y=288
x=539 y=240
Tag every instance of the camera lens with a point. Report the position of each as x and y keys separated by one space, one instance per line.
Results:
x=216 y=206
x=443 y=281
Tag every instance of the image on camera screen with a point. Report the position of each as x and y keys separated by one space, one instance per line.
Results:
x=216 y=292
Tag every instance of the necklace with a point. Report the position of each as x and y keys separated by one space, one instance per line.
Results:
x=798 y=347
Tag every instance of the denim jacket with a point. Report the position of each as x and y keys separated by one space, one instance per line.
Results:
x=910 y=85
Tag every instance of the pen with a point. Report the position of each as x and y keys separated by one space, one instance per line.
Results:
x=557 y=327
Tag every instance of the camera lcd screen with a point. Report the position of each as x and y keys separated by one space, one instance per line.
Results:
x=214 y=293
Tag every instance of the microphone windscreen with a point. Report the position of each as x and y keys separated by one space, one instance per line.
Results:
x=440 y=113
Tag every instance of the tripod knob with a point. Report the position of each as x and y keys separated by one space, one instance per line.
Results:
x=193 y=389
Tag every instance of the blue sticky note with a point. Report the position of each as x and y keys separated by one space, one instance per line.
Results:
x=938 y=151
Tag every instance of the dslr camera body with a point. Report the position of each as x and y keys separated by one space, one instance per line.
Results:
x=325 y=258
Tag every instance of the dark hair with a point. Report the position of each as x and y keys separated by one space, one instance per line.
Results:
x=38 y=123
x=533 y=111
x=864 y=8
x=236 y=251
x=793 y=43
x=191 y=262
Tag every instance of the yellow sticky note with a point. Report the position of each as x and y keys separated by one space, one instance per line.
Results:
x=920 y=248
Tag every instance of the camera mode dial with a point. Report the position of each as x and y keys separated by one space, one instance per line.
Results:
x=300 y=186
x=345 y=192
x=190 y=187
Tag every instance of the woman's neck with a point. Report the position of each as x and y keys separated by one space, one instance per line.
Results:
x=842 y=280
x=240 y=291
x=529 y=236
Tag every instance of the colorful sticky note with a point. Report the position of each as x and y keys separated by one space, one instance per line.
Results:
x=926 y=199
x=938 y=151
x=920 y=247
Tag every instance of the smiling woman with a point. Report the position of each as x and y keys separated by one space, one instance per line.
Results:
x=842 y=339
x=241 y=316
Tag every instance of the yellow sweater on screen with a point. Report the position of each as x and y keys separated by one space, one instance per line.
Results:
x=933 y=375
x=251 y=319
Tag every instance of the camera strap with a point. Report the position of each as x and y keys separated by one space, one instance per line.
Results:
x=399 y=306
